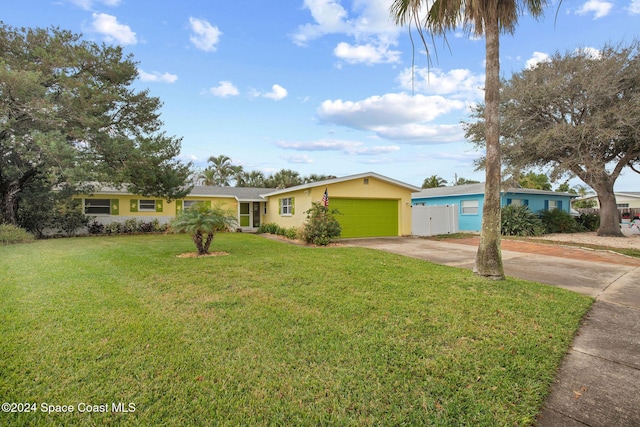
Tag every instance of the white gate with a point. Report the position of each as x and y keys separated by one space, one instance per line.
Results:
x=434 y=220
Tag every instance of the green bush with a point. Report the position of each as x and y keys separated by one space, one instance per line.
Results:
x=291 y=233
x=113 y=228
x=69 y=217
x=559 y=221
x=95 y=228
x=588 y=221
x=520 y=221
x=270 y=228
x=132 y=225
x=10 y=234
x=321 y=225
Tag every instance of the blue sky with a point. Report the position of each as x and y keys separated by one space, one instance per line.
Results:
x=320 y=86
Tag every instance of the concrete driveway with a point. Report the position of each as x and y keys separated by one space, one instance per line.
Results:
x=598 y=383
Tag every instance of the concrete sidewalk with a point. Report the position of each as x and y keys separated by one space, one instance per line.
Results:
x=598 y=383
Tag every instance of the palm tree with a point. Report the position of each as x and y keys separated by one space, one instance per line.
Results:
x=284 y=178
x=200 y=220
x=207 y=177
x=434 y=181
x=223 y=170
x=488 y=18
x=255 y=179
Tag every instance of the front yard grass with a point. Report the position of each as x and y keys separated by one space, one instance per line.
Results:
x=271 y=334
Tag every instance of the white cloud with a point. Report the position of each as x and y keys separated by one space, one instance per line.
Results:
x=112 y=30
x=205 y=36
x=392 y=109
x=224 y=89
x=599 y=8
x=88 y=4
x=590 y=52
x=329 y=16
x=367 y=22
x=347 y=147
x=397 y=116
x=458 y=83
x=156 y=77
x=366 y=53
x=634 y=7
x=536 y=59
x=277 y=93
x=418 y=133
x=298 y=159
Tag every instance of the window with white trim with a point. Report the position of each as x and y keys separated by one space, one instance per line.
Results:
x=147 y=205
x=553 y=204
x=97 y=206
x=186 y=204
x=286 y=206
x=469 y=207
x=518 y=202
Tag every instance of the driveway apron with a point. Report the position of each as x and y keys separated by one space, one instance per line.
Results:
x=598 y=383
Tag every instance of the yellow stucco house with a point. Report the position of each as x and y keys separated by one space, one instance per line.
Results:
x=369 y=204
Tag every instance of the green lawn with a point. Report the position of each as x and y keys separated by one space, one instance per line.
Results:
x=271 y=334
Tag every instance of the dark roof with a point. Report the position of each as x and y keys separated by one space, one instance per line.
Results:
x=240 y=193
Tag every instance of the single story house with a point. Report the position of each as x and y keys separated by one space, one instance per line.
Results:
x=624 y=199
x=369 y=204
x=469 y=200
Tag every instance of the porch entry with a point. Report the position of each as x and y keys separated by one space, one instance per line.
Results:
x=249 y=214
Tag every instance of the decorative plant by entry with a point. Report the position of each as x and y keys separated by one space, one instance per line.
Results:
x=202 y=222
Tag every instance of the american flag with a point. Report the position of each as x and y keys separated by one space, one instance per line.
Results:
x=325 y=198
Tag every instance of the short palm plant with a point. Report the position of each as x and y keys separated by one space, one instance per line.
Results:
x=200 y=221
x=520 y=221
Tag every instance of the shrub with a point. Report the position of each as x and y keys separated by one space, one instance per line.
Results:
x=10 y=234
x=270 y=228
x=146 y=227
x=202 y=223
x=559 y=221
x=321 y=225
x=95 y=228
x=520 y=221
x=132 y=225
x=291 y=233
x=69 y=217
x=113 y=228
x=588 y=221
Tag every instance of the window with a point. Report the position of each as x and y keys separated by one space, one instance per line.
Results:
x=517 y=202
x=147 y=205
x=286 y=206
x=97 y=206
x=186 y=204
x=469 y=207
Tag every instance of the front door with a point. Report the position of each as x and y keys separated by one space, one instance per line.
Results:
x=256 y=214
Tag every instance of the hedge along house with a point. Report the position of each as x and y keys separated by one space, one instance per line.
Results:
x=469 y=200
x=113 y=205
x=370 y=205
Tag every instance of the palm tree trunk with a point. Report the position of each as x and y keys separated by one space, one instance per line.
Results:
x=197 y=239
x=207 y=242
x=489 y=256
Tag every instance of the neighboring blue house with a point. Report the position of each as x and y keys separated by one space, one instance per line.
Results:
x=470 y=200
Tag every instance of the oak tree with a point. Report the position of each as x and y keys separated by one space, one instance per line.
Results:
x=576 y=115
x=69 y=117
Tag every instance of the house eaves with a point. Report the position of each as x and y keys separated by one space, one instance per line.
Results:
x=478 y=189
x=343 y=179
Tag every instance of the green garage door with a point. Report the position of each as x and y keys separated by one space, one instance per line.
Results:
x=366 y=217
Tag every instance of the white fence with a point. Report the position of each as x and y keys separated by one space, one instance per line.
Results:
x=434 y=220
